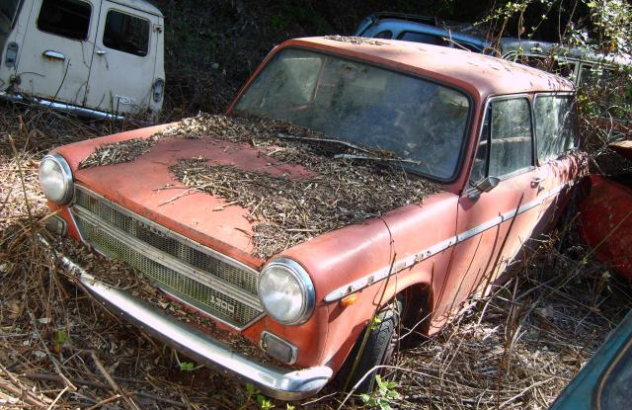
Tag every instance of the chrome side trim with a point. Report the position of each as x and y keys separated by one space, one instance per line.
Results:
x=414 y=259
x=172 y=262
x=272 y=381
x=170 y=233
x=68 y=108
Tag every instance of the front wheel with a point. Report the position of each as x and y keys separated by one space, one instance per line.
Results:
x=379 y=349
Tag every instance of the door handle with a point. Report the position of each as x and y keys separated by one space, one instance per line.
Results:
x=101 y=52
x=538 y=180
x=55 y=55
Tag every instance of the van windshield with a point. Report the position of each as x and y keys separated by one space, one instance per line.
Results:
x=8 y=8
x=419 y=121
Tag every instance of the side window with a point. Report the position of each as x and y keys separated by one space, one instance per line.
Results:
x=421 y=38
x=66 y=18
x=506 y=143
x=126 y=33
x=9 y=9
x=384 y=34
x=511 y=139
x=554 y=125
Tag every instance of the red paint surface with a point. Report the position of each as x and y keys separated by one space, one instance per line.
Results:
x=606 y=216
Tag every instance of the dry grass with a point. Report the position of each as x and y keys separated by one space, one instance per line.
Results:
x=59 y=349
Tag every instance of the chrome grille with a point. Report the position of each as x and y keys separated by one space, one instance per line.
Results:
x=178 y=266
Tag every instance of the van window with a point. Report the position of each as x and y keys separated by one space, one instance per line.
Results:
x=9 y=8
x=126 y=33
x=554 y=126
x=66 y=18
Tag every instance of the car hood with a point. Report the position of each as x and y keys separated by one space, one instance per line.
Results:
x=146 y=186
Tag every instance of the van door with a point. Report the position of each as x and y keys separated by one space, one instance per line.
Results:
x=124 y=60
x=54 y=61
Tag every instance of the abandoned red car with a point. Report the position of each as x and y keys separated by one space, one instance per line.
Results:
x=350 y=178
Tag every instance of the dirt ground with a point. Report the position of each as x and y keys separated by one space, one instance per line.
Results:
x=60 y=349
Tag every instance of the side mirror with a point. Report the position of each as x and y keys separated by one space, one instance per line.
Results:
x=485 y=185
x=488 y=184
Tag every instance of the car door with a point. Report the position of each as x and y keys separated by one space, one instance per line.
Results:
x=125 y=56
x=499 y=209
x=54 y=61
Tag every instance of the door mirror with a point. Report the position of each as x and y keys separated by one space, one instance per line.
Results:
x=485 y=185
x=488 y=184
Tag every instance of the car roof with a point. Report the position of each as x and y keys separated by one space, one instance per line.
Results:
x=141 y=5
x=478 y=73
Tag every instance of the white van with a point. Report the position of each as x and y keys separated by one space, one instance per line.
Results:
x=103 y=58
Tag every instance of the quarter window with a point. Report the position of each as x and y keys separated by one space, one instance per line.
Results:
x=554 y=126
x=126 y=33
x=66 y=18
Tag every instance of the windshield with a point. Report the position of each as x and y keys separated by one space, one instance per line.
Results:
x=418 y=120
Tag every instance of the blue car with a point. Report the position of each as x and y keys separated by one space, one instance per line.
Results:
x=421 y=29
x=605 y=383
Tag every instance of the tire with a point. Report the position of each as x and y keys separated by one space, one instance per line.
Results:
x=379 y=350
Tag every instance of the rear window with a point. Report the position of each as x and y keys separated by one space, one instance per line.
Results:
x=126 y=33
x=66 y=18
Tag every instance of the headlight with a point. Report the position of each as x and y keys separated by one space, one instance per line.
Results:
x=286 y=292
x=56 y=179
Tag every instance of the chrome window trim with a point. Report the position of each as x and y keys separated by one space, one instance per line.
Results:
x=426 y=253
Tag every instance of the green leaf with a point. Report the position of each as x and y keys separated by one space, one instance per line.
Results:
x=187 y=366
x=264 y=403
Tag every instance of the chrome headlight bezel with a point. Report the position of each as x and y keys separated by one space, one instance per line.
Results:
x=308 y=294
x=66 y=179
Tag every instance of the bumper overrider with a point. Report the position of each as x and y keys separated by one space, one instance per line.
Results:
x=272 y=381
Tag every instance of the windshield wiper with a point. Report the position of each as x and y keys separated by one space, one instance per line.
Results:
x=370 y=155
x=381 y=159
x=327 y=140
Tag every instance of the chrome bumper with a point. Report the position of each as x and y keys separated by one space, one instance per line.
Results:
x=272 y=381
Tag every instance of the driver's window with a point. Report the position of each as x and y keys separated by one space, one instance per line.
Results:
x=506 y=143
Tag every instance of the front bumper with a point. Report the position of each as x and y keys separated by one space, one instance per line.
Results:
x=272 y=381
